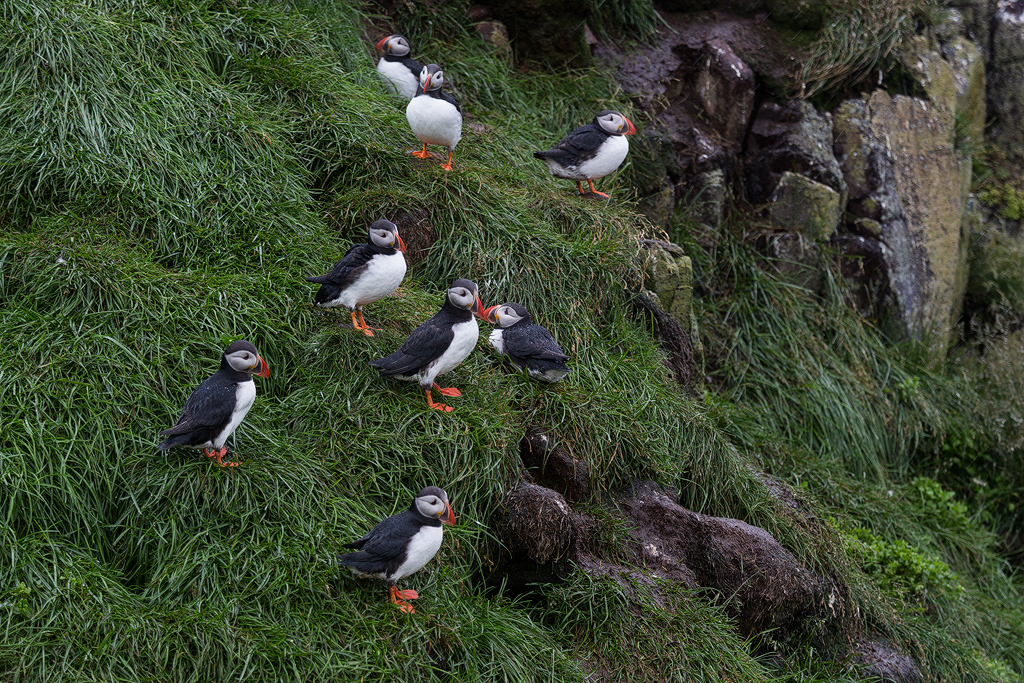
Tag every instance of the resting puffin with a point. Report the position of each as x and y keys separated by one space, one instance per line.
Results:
x=402 y=544
x=590 y=151
x=366 y=273
x=400 y=73
x=438 y=345
x=219 y=404
x=434 y=115
x=530 y=347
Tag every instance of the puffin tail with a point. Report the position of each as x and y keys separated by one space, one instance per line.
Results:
x=541 y=155
x=175 y=440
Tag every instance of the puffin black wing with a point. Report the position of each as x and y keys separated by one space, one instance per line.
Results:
x=450 y=100
x=577 y=146
x=411 y=64
x=206 y=411
x=425 y=345
x=344 y=273
x=532 y=341
x=383 y=549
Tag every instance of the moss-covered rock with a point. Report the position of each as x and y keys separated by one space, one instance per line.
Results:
x=806 y=206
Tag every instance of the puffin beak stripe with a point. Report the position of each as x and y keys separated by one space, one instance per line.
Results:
x=478 y=308
x=427 y=83
x=629 y=123
x=401 y=244
x=380 y=45
x=264 y=369
x=448 y=517
x=490 y=314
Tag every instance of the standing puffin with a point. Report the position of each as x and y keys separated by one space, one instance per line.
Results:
x=434 y=115
x=402 y=544
x=530 y=347
x=400 y=73
x=590 y=151
x=366 y=273
x=438 y=345
x=219 y=404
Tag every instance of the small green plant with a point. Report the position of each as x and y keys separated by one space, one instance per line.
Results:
x=1006 y=199
x=939 y=504
x=899 y=569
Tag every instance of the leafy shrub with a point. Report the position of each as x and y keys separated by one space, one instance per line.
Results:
x=899 y=569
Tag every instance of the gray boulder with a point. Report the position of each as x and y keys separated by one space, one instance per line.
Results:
x=806 y=206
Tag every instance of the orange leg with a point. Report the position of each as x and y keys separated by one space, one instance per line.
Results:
x=422 y=155
x=355 y=325
x=447 y=166
x=579 y=186
x=436 y=406
x=592 y=189
x=219 y=455
x=366 y=328
x=450 y=391
x=399 y=598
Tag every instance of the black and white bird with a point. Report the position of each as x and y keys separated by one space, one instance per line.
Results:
x=400 y=73
x=402 y=544
x=438 y=345
x=218 y=405
x=590 y=151
x=366 y=273
x=434 y=115
x=529 y=346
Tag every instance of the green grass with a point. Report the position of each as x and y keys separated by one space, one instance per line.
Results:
x=170 y=171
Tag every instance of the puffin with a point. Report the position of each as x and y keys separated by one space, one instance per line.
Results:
x=434 y=115
x=366 y=273
x=218 y=405
x=402 y=544
x=439 y=344
x=590 y=151
x=400 y=73
x=530 y=347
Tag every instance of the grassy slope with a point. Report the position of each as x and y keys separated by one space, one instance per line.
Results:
x=191 y=163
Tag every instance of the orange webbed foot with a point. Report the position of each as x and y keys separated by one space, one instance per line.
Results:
x=421 y=153
x=409 y=594
x=437 y=406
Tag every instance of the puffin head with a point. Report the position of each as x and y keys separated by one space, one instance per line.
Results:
x=242 y=356
x=433 y=502
x=394 y=45
x=431 y=78
x=614 y=123
x=464 y=294
x=506 y=315
x=384 y=234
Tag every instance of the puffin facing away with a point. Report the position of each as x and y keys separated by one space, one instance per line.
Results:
x=401 y=75
x=434 y=115
x=530 y=347
x=438 y=345
x=402 y=544
x=590 y=151
x=218 y=405
x=366 y=273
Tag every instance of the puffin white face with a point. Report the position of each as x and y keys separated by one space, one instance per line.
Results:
x=433 y=502
x=246 y=360
x=614 y=123
x=462 y=297
x=506 y=316
x=431 y=78
x=394 y=45
x=387 y=238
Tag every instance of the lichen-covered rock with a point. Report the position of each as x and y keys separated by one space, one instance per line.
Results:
x=898 y=159
x=806 y=206
x=710 y=196
x=968 y=67
x=790 y=138
x=976 y=20
x=935 y=76
x=796 y=260
x=1006 y=77
x=669 y=274
x=546 y=31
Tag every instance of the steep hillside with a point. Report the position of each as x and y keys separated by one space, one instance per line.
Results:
x=171 y=171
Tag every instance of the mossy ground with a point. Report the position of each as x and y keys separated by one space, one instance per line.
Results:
x=170 y=172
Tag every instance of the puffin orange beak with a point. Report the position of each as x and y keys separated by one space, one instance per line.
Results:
x=631 y=129
x=401 y=244
x=488 y=315
x=380 y=45
x=427 y=84
x=264 y=369
x=478 y=308
x=448 y=517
